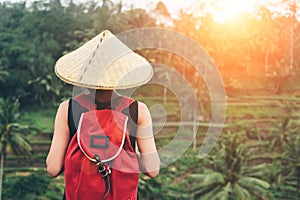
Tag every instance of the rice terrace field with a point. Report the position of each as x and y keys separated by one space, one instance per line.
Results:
x=261 y=127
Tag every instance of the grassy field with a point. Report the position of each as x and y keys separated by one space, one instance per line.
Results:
x=258 y=116
x=39 y=117
x=258 y=120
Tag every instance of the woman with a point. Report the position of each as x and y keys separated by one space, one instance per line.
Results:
x=102 y=65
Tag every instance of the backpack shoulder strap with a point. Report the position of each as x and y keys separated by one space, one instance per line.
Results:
x=85 y=101
x=74 y=112
x=123 y=103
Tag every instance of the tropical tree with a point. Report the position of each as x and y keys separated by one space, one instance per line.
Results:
x=227 y=175
x=292 y=8
x=285 y=128
x=31 y=39
x=33 y=186
x=12 y=134
x=290 y=168
x=268 y=40
x=138 y=18
x=279 y=43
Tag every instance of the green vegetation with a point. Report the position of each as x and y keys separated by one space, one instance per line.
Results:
x=12 y=135
x=227 y=174
x=256 y=157
x=40 y=117
x=35 y=185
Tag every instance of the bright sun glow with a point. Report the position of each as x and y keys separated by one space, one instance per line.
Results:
x=229 y=9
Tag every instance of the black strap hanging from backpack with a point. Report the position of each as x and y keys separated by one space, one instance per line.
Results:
x=104 y=172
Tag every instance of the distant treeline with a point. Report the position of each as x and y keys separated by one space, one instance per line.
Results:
x=249 y=51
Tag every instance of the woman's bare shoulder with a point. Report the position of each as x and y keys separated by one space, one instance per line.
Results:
x=62 y=110
x=142 y=106
x=144 y=117
x=63 y=105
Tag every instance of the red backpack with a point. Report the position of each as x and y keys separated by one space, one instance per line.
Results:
x=100 y=162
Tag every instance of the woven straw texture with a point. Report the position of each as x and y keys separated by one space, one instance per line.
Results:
x=104 y=62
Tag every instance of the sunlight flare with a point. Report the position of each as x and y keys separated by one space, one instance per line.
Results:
x=229 y=9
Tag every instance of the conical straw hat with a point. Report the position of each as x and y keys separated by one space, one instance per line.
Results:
x=104 y=62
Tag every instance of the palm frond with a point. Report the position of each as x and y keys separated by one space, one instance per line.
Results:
x=240 y=193
x=208 y=192
x=20 y=145
x=9 y=110
x=13 y=137
x=208 y=178
x=256 y=187
x=16 y=127
x=254 y=181
x=224 y=193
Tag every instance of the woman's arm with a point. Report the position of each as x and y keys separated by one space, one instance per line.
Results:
x=60 y=140
x=149 y=159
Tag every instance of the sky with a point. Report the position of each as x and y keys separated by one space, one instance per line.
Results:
x=227 y=8
x=173 y=5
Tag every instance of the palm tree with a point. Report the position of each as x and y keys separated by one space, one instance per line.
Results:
x=285 y=128
x=227 y=176
x=290 y=25
x=290 y=160
x=268 y=41
x=12 y=134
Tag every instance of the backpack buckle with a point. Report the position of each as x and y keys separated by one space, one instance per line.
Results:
x=104 y=172
x=101 y=167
